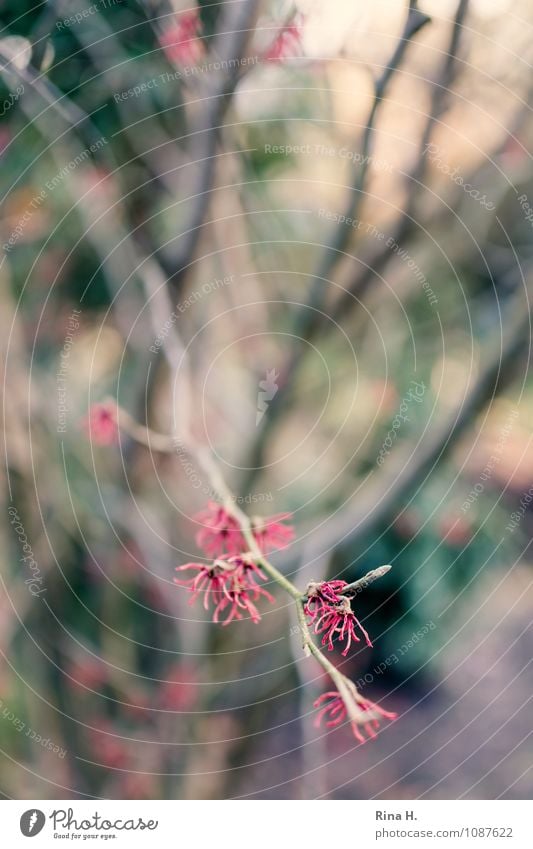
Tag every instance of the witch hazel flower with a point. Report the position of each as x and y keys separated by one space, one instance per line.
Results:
x=231 y=585
x=101 y=423
x=363 y=714
x=239 y=599
x=221 y=534
x=329 y=612
x=273 y=533
x=209 y=581
x=288 y=42
x=181 y=42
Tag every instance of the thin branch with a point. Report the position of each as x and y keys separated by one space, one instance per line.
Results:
x=366 y=580
x=346 y=688
x=308 y=318
x=440 y=91
x=236 y=24
x=413 y=466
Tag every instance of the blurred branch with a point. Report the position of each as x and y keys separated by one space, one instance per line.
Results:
x=411 y=468
x=227 y=45
x=308 y=318
x=236 y=23
x=157 y=150
x=112 y=244
x=340 y=237
x=440 y=90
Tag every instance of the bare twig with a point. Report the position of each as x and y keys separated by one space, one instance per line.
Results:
x=440 y=90
x=366 y=580
x=308 y=318
x=235 y=27
x=411 y=467
x=346 y=688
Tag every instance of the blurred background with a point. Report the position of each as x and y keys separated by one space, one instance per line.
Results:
x=306 y=230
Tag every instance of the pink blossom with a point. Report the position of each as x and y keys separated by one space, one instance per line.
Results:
x=287 y=42
x=331 y=614
x=239 y=599
x=222 y=535
x=101 y=423
x=209 y=581
x=333 y=709
x=181 y=42
x=272 y=533
x=241 y=591
x=231 y=585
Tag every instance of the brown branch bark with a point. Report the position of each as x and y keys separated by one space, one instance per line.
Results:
x=308 y=318
x=411 y=468
x=406 y=222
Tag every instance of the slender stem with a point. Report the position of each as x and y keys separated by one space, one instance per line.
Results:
x=309 y=317
x=167 y=444
x=346 y=688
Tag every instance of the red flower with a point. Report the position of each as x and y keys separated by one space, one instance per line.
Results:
x=241 y=591
x=333 y=707
x=181 y=42
x=221 y=533
x=287 y=42
x=238 y=600
x=332 y=616
x=209 y=581
x=271 y=533
x=231 y=585
x=101 y=423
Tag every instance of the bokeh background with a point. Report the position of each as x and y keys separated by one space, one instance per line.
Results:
x=333 y=200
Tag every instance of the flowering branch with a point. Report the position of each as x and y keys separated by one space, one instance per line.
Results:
x=238 y=545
